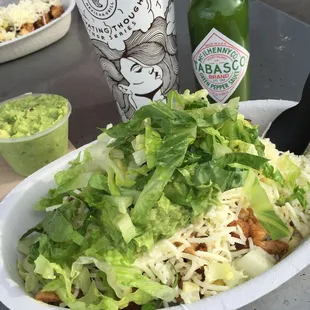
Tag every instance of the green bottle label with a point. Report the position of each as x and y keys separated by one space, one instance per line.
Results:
x=220 y=65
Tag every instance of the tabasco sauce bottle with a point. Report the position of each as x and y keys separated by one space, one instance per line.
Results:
x=219 y=33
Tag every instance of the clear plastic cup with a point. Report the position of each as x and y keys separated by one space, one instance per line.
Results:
x=28 y=154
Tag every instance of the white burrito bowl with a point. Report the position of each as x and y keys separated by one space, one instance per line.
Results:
x=38 y=39
x=17 y=216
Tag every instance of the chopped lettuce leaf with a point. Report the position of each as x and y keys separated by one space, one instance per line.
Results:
x=60 y=229
x=226 y=178
x=146 y=240
x=83 y=281
x=44 y=268
x=255 y=262
x=299 y=193
x=263 y=208
x=242 y=160
x=187 y=100
x=151 y=194
x=291 y=172
x=139 y=157
x=153 y=142
x=79 y=182
x=31 y=283
x=99 y=181
x=219 y=271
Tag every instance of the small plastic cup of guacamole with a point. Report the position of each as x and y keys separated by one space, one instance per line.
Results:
x=33 y=131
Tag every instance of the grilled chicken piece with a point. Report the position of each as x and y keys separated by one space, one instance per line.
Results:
x=202 y=247
x=45 y=19
x=177 y=244
x=133 y=306
x=56 y=11
x=274 y=247
x=48 y=297
x=251 y=227
x=190 y=250
x=180 y=282
x=243 y=225
x=26 y=28
x=193 y=247
x=244 y=214
x=257 y=232
x=259 y=235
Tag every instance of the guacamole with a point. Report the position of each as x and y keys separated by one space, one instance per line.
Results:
x=29 y=115
x=21 y=122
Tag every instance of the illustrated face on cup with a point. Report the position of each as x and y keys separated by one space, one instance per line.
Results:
x=142 y=79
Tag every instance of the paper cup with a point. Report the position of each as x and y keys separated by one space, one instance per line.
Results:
x=136 y=44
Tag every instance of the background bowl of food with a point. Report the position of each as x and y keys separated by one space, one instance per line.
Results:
x=263 y=271
x=27 y=26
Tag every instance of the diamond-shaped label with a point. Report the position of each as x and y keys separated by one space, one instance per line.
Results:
x=220 y=65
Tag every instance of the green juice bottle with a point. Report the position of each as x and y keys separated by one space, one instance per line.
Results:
x=219 y=33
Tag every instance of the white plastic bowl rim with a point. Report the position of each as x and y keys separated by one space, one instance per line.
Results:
x=16 y=216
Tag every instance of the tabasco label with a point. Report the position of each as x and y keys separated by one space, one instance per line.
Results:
x=220 y=65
